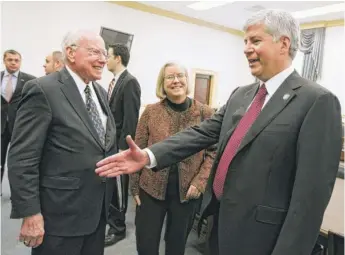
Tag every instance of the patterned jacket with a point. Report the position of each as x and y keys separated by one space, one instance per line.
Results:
x=157 y=122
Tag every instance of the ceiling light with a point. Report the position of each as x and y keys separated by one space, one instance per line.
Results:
x=319 y=11
x=206 y=5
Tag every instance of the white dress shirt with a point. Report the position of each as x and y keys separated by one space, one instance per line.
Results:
x=81 y=87
x=271 y=85
x=5 y=80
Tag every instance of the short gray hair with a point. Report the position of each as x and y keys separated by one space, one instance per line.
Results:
x=74 y=37
x=278 y=23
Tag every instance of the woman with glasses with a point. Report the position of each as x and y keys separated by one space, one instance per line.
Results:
x=175 y=190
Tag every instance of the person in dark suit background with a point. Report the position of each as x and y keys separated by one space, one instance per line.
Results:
x=12 y=82
x=53 y=62
x=279 y=144
x=124 y=94
x=63 y=127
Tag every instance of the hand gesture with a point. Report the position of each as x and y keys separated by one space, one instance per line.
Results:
x=193 y=193
x=125 y=162
x=32 y=230
x=137 y=200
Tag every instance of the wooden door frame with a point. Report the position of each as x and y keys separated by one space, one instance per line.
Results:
x=213 y=84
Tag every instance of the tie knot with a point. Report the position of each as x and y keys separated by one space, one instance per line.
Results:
x=262 y=90
x=87 y=90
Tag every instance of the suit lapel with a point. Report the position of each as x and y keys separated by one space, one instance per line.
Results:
x=118 y=84
x=19 y=86
x=72 y=94
x=238 y=114
x=109 y=138
x=279 y=100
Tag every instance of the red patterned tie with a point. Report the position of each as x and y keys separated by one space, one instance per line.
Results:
x=236 y=139
x=111 y=87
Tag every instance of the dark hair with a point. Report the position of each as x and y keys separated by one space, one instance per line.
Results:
x=122 y=51
x=13 y=52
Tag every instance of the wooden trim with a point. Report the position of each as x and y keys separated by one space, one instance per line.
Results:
x=176 y=16
x=323 y=23
x=213 y=85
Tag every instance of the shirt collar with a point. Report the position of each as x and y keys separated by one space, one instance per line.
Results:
x=273 y=84
x=78 y=81
x=15 y=74
x=117 y=76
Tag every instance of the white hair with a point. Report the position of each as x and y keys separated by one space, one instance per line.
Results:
x=278 y=23
x=73 y=38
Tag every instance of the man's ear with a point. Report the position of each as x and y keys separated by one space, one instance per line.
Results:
x=285 y=44
x=70 y=54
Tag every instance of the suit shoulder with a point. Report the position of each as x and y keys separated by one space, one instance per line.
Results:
x=48 y=82
x=132 y=78
x=248 y=86
x=27 y=76
x=313 y=88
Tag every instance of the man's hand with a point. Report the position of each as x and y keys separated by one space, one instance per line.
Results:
x=193 y=193
x=32 y=230
x=125 y=162
x=137 y=200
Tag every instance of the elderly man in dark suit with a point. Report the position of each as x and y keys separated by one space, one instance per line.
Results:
x=279 y=143
x=12 y=82
x=124 y=100
x=64 y=126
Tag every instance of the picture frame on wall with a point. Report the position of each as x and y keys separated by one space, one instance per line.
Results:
x=112 y=36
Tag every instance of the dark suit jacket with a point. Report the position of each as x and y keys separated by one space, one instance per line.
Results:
x=281 y=179
x=125 y=104
x=8 y=110
x=53 y=156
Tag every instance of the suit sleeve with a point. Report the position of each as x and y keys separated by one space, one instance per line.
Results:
x=318 y=153
x=141 y=139
x=188 y=142
x=200 y=180
x=29 y=135
x=131 y=99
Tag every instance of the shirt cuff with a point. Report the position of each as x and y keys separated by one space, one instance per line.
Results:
x=153 y=161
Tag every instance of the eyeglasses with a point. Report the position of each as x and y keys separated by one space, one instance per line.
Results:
x=94 y=52
x=172 y=77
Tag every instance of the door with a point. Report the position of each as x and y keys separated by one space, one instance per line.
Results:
x=202 y=88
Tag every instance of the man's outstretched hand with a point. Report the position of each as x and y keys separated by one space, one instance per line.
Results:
x=125 y=162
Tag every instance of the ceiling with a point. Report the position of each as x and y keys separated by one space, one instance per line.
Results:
x=234 y=14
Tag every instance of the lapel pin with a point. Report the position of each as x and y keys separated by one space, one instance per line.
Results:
x=286 y=96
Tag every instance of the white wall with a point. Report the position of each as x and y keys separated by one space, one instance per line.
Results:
x=332 y=75
x=37 y=28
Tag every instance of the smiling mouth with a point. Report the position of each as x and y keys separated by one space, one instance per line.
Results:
x=98 y=68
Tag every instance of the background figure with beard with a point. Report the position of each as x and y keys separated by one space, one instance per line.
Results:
x=12 y=82
x=53 y=62
x=175 y=190
x=279 y=143
x=124 y=100
x=63 y=127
